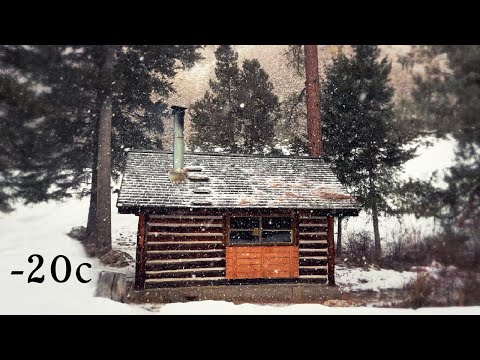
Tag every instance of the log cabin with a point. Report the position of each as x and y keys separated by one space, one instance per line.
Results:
x=228 y=219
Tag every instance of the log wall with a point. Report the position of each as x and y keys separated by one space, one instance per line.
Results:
x=187 y=249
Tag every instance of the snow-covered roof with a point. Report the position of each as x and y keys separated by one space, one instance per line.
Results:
x=231 y=181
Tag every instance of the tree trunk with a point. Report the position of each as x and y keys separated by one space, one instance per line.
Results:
x=104 y=163
x=339 y=237
x=314 y=121
x=376 y=232
x=92 y=210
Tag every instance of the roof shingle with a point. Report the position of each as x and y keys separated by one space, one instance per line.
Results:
x=233 y=181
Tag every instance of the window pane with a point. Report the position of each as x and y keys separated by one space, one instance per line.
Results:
x=276 y=236
x=284 y=223
x=243 y=237
x=244 y=222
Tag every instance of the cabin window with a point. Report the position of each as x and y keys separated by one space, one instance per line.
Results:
x=254 y=230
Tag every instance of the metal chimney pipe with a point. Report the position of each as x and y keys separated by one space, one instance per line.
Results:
x=178 y=143
x=314 y=121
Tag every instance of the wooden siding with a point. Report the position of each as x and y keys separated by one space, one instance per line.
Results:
x=190 y=249
x=262 y=262
x=313 y=246
x=182 y=250
x=331 y=252
x=184 y=227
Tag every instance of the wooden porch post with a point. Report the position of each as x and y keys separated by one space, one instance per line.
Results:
x=331 y=252
x=140 y=260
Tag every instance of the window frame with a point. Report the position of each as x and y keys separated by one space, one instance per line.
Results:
x=261 y=217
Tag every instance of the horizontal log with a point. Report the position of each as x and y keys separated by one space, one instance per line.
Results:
x=184 y=273
x=187 y=264
x=184 y=230
x=184 y=254
x=181 y=239
x=313 y=252
x=323 y=233
x=313 y=270
x=196 y=222
x=200 y=251
x=153 y=281
x=314 y=267
x=313 y=246
x=198 y=270
x=186 y=243
x=188 y=225
x=312 y=237
x=305 y=227
x=184 y=261
x=154 y=233
x=319 y=229
x=186 y=216
x=310 y=261
x=321 y=241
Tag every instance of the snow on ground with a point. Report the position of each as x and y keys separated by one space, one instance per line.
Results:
x=355 y=279
x=42 y=229
x=227 y=308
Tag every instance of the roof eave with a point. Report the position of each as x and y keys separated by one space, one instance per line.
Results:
x=136 y=209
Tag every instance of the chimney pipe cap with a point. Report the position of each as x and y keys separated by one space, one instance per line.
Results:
x=176 y=108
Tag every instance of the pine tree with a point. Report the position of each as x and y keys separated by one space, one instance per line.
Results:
x=359 y=133
x=17 y=101
x=448 y=98
x=238 y=113
x=257 y=109
x=214 y=117
x=65 y=87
